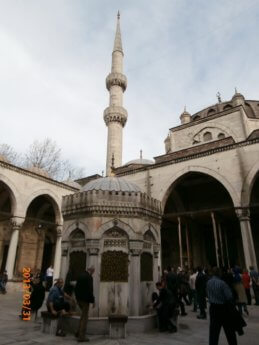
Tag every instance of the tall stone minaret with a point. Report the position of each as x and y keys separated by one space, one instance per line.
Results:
x=115 y=116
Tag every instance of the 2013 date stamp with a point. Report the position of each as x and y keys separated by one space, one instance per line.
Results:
x=26 y=309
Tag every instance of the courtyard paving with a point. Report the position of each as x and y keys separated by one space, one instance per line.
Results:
x=191 y=330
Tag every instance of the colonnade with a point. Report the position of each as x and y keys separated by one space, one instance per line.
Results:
x=221 y=239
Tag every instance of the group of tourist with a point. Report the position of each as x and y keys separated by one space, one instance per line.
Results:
x=228 y=292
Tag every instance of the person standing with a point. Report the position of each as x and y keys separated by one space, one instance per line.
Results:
x=84 y=296
x=3 y=281
x=200 y=286
x=165 y=304
x=246 y=283
x=238 y=286
x=192 y=281
x=222 y=310
x=49 y=277
x=255 y=283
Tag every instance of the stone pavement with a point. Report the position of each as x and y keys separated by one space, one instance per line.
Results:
x=191 y=330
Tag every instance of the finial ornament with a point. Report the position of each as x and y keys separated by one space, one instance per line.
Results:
x=236 y=90
x=218 y=96
x=185 y=109
x=140 y=154
x=118 y=15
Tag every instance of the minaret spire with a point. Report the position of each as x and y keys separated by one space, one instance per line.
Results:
x=115 y=116
x=117 y=41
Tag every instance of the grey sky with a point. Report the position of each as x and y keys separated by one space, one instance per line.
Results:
x=55 y=56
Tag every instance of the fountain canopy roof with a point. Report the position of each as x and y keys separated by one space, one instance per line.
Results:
x=111 y=183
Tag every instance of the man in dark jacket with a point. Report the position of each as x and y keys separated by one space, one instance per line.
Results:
x=84 y=296
x=165 y=304
x=200 y=286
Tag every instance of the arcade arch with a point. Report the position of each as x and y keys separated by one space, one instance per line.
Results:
x=200 y=226
x=38 y=235
x=7 y=204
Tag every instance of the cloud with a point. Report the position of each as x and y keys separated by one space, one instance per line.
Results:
x=55 y=56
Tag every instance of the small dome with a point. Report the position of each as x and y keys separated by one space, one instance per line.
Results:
x=238 y=98
x=185 y=117
x=39 y=171
x=140 y=161
x=72 y=183
x=185 y=113
x=116 y=184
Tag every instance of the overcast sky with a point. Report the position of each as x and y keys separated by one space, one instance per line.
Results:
x=55 y=56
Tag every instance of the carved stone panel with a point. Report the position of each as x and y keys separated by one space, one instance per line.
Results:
x=114 y=266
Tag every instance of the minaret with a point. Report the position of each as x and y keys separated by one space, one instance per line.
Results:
x=115 y=116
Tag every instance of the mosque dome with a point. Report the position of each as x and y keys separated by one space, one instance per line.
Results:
x=141 y=161
x=111 y=183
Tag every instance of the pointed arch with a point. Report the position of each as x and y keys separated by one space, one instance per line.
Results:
x=167 y=188
x=74 y=226
x=248 y=185
x=119 y=224
x=53 y=198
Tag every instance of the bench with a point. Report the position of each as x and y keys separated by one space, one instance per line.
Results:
x=117 y=326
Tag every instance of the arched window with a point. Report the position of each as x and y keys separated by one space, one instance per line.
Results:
x=221 y=136
x=207 y=136
x=195 y=118
x=211 y=112
x=228 y=106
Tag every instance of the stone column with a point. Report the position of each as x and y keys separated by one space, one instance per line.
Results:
x=180 y=241
x=188 y=245
x=134 y=278
x=16 y=224
x=243 y=215
x=215 y=237
x=156 y=264
x=93 y=248
x=57 y=258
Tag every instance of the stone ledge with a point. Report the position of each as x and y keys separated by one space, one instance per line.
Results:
x=100 y=325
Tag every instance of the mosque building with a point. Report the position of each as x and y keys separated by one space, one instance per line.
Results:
x=196 y=204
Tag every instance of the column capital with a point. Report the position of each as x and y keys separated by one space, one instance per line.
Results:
x=59 y=230
x=243 y=214
x=135 y=247
x=16 y=223
x=156 y=248
x=93 y=246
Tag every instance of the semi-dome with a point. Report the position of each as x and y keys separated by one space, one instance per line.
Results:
x=141 y=161
x=116 y=184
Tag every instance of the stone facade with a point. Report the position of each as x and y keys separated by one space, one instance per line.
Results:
x=30 y=219
x=197 y=204
x=117 y=228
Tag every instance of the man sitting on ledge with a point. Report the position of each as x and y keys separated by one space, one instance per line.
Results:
x=57 y=306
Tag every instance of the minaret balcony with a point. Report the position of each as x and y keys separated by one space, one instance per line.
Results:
x=118 y=79
x=115 y=114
